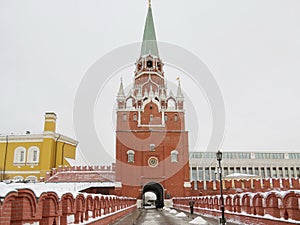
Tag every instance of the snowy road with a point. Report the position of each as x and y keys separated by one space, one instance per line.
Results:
x=165 y=217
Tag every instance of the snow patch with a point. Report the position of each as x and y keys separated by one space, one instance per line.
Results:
x=70 y=219
x=5 y=189
x=173 y=211
x=34 y=223
x=198 y=220
x=182 y=214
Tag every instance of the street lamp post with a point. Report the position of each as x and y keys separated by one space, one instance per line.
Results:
x=219 y=158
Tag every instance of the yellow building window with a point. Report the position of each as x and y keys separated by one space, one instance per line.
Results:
x=33 y=155
x=19 y=155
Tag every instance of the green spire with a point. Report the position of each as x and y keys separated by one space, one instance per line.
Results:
x=149 y=45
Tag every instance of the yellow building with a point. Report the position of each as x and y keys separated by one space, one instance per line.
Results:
x=31 y=156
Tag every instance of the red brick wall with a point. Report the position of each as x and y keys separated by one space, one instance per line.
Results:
x=82 y=174
x=241 y=186
x=23 y=206
x=253 y=206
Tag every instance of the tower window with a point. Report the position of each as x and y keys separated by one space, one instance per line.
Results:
x=166 y=118
x=151 y=118
x=130 y=156
x=171 y=104
x=149 y=64
x=176 y=118
x=174 y=156
x=158 y=65
x=124 y=117
x=134 y=117
x=129 y=103
x=152 y=147
x=139 y=66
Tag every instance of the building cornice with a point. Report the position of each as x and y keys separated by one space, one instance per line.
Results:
x=148 y=73
x=153 y=131
x=37 y=138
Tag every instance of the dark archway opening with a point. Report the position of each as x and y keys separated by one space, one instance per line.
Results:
x=158 y=190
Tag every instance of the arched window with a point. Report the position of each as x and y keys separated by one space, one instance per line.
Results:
x=31 y=179
x=134 y=117
x=33 y=155
x=166 y=118
x=20 y=155
x=129 y=103
x=18 y=178
x=171 y=104
x=130 y=156
x=174 y=156
x=175 y=117
x=151 y=118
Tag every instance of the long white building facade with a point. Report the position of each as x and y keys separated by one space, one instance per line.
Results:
x=203 y=165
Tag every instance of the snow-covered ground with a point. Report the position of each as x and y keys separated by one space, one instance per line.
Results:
x=58 y=188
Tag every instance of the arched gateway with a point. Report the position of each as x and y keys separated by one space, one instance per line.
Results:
x=151 y=140
x=158 y=190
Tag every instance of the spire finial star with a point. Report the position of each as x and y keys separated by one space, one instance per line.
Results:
x=149 y=3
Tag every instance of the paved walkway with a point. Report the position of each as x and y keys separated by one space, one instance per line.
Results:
x=162 y=217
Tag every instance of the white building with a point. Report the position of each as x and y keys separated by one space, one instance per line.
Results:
x=203 y=165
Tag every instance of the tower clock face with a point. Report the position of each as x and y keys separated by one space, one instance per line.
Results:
x=153 y=161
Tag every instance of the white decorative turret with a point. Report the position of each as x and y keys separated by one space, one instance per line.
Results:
x=171 y=93
x=121 y=96
x=179 y=96
x=121 y=93
x=179 y=91
x=162 y=94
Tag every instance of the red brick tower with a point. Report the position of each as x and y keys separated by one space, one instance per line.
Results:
x=151 y=140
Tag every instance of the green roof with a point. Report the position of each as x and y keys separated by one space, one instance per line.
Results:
x=149 y=45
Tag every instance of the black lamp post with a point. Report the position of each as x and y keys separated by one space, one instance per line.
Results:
x=219 y=158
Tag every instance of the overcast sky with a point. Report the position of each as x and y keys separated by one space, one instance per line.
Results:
x=251 y=47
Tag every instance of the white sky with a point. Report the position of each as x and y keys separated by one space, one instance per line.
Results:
x=252 y=48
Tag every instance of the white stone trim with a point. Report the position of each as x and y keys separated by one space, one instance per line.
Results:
x=37 y=138
x=21 y=172
x=55 y=136
x=187 y=184
x=146 y=125
x=118 y=184
x=50 y=120
x=50 y=116
x=148 y=73
x=22 y=138
x=174 y=110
